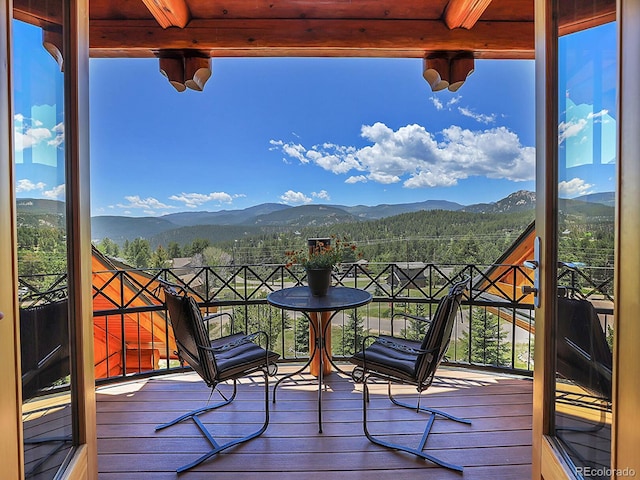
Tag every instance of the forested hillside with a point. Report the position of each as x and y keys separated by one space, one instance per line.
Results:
x=433 y=236
x=430 y=236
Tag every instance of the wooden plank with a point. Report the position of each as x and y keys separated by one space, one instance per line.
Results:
x=498 y=443
x=503 y=472
x=326 y=37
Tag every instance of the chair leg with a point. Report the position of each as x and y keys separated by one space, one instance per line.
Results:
x=419 y=408
x=403 y=448
x=198 y=411
x=216 y=447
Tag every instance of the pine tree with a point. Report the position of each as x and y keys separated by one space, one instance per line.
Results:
x=352 y=334
x=415 y=329
x=302 y=335
x=488 y=341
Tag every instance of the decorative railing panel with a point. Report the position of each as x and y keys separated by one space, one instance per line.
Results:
x=495 y=328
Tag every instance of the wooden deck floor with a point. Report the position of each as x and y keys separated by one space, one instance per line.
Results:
x=497 y=445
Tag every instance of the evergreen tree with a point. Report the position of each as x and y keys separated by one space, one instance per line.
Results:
x=173 y=250
x=196 y=247
x=488 y=341
x=160 y=258
x=302 y=335
x=415 y=329
x=252 y=318
x=109 y=247
x=352 y=334
x=138 y=253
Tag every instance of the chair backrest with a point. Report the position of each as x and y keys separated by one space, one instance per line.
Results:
x=44 y=346
x=438 y=335
x=583 y=354
x=190 y=334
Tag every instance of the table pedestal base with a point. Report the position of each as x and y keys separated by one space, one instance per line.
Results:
x=320 y=319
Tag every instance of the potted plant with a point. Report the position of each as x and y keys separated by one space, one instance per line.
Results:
x=319 y=260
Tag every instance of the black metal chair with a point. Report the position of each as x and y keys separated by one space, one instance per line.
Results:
x=227 y=358
x=44 y=349
x=583 y=354
x=399 y=360
x=44 y=352
x=584 y=359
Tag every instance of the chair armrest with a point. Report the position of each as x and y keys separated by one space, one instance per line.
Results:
x=212 y=316
x=418 y=318
x=411 y=316
x=206 y=319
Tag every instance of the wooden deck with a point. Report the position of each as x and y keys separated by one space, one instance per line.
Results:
x=496 y=445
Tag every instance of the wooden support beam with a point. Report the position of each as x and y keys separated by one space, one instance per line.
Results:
x=447 y=70
x=185 y=69
x=459 y=69
x=197 y=71
x=173 y=69
x=464 y=13
x=436 y=73
x=52 y=43
x=169 y=13
x=272 y=38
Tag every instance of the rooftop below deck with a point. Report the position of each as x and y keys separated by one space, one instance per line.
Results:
x=496 y=445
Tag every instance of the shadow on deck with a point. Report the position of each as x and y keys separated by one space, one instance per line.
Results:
x=496 y=445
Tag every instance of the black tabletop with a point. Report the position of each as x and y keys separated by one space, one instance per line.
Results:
x=301 y=300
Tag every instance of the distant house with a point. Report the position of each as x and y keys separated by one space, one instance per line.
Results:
x=186 y=268
x=407 y=275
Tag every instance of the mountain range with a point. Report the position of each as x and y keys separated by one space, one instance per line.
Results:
x=275 y=216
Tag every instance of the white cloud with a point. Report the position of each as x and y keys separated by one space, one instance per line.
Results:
x=55 y=193
x=440 y=106
x=601 y=113
x=570 y=129
x=295 y=198
x=478 y=117
x=436 y=103
x=59 y=138
x=31 y=136
x=356 y=179
x=26 y=185
x=146 y=204
x=414 y=156
x=322 y=195
x=574 y=188
x=193 y=200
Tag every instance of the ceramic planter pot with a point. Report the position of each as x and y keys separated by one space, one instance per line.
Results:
x=319 y=281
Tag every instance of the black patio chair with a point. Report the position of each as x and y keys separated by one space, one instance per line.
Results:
x=44 y=349
x=399 y=360
x=584 y=359
x=44 y=353
x=583 y=354
x=228 y=358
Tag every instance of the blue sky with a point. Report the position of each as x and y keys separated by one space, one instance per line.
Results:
x=294 y=131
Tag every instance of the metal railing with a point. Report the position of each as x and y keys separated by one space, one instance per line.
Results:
x=495 y=327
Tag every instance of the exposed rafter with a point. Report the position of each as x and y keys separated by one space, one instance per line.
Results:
x=496 y=29
x=464 y=13
x=274 y=37
x=169 y=13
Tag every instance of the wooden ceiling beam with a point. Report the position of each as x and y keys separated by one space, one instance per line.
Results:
x=169 y=13
x=300 y=37
x=464 y=13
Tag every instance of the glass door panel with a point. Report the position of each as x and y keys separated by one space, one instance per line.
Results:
x=587 y=81
x=38 y=79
